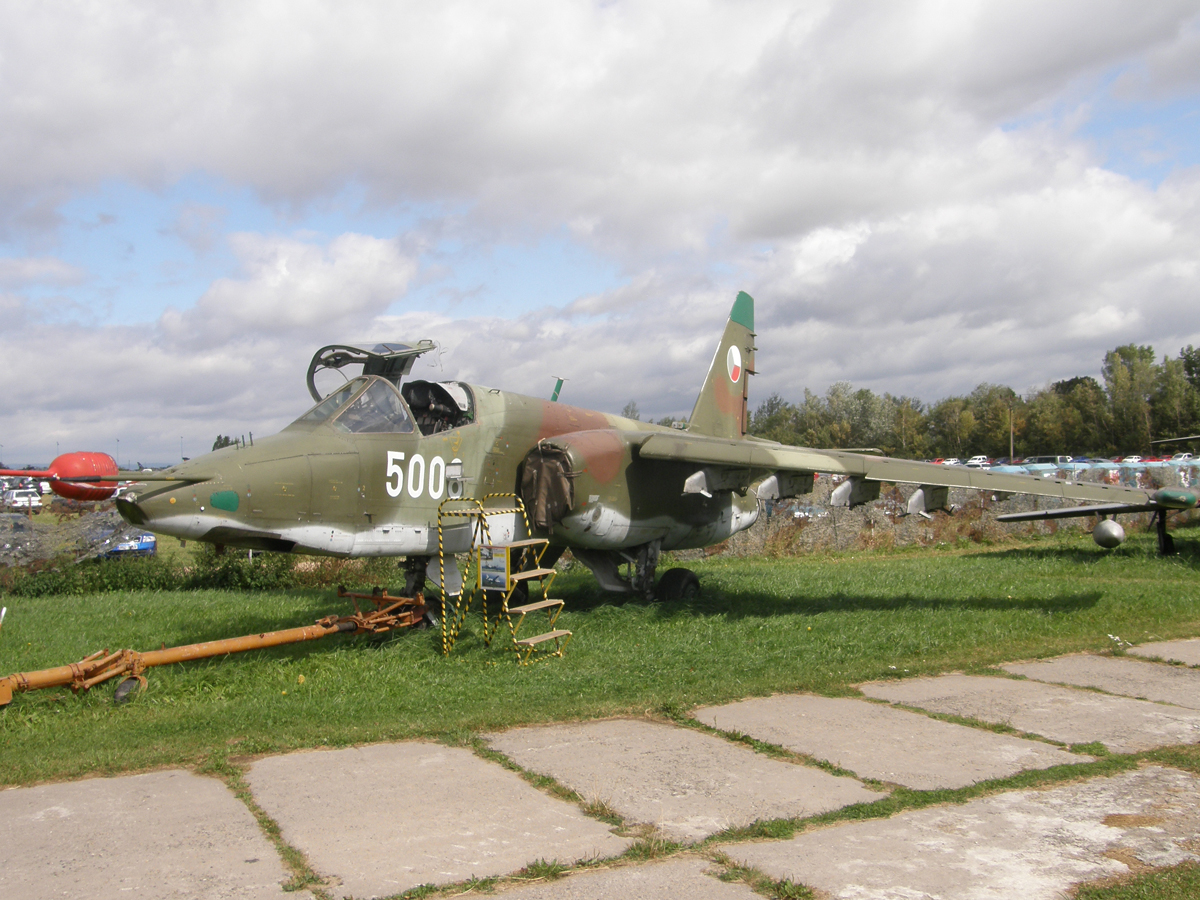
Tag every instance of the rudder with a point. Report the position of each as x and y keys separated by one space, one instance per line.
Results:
x=721 y=409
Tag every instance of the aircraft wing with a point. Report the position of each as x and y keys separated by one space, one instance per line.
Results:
x=755 y=459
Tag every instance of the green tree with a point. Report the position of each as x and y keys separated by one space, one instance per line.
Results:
x=995 y=407
x=223 y=440
x=1050 y=421
x=775 y=420
x=1091 y=417
x=1190 y=357
x=1170 y=406
x=812 y=422
x=950 y=424
x=631 y=411
x=910 y=428
x=1130 y=375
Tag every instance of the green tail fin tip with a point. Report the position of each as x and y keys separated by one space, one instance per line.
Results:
x=721 y=408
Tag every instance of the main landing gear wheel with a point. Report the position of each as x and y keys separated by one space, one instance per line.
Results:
x=678 y=584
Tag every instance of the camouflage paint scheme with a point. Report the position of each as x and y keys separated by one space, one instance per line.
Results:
x=637 y=488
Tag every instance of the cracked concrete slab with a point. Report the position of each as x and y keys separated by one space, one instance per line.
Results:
x=1130 y=677
x=389 y=817
x=1058 y=713
x=1186 y=652
x=1028 y=844
x=161 y=835
x=687 y=783
x=652 y=881
x=885 y=743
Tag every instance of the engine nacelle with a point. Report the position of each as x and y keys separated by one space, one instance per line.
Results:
x=1108 y=534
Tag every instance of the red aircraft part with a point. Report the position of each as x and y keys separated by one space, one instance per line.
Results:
x=67 y=472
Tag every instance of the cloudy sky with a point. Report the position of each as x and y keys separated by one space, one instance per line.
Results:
x=921 y=196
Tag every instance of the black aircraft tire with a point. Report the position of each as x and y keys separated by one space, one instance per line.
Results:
x=678 y=584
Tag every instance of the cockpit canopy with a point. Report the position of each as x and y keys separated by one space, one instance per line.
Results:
x=365 y=405
x=370 y=404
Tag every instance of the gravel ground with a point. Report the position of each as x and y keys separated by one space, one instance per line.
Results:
x=884 y=523
x=76 y=530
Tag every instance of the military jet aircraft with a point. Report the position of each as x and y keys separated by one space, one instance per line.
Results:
x=365 y=470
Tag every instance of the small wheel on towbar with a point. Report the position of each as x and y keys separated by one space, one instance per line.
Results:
x=128 y=689
x=678 y=584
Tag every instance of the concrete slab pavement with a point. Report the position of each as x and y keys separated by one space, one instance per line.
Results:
x=1186 y=652
x=1058 y=713
x=388 y=817
x=1029 y=844
x=1129 y=677
x=687 y=783
x=667 y=880
x=163 y=835
x=875 y=741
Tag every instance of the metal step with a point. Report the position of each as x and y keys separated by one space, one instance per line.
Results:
x=528 y=542
x=538 y=638
x=529 y=574
x=530 y=607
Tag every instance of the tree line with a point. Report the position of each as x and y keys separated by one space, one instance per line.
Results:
x=1141 y=399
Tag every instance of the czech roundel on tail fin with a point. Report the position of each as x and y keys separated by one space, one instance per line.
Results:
x=721 y=409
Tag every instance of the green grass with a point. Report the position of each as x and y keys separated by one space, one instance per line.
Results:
x=1177 y=883
x=820 y=623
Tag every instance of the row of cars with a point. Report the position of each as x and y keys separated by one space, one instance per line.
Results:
x=25 y=494
x=22 y=494
x=985 y=462
x=21 y=499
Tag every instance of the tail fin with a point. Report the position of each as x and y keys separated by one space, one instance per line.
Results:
x=720 y=410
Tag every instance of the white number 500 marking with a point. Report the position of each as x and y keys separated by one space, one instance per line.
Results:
x=416 y=475
x=393 y=468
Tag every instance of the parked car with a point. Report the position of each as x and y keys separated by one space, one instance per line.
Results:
x=23 y=498
x=145 y=544
x=952 y=461
x=1182 y=457
x=1048 y=460
x=1132 y=459
x=978 y=462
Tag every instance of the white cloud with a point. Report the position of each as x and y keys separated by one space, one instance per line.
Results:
x=15 y=272
x=290 y=286
x=899 y=185
x=653 y=122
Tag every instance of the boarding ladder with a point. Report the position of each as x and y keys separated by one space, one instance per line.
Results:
x=499 y=570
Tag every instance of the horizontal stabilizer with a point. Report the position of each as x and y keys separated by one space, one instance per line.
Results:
x=1109 y=509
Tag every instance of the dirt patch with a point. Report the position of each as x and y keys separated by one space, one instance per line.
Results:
x=1119 y=820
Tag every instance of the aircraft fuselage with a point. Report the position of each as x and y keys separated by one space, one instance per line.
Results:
x=316 y=489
